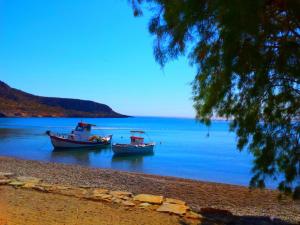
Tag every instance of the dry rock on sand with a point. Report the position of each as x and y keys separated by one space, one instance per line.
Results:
x=123 y=198
x=176 y=206
x=4 y=181
x=245 y=204
x=100 y=191
x=4 y=178
x=6 y=175
x=178 y=209
x=128 y=203
x=153 y=199
x=53 y=209
x=28 y=179
x=124 y=195
x=16 y=183
x=144 y=205
x=175 y=201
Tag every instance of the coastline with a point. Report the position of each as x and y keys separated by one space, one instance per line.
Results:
x=198 y=194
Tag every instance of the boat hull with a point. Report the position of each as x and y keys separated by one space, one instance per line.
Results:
x=132 y=149
x=64 y=143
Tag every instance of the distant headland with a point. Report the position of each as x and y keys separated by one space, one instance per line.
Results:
x=16 y=103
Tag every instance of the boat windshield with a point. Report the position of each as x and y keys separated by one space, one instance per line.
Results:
x=83 y=127
x=137 y=140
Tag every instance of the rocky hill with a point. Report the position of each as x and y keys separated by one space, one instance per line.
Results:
x=16 y=103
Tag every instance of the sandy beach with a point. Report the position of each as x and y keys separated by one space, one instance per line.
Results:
x=28 y=207
x=237 y=199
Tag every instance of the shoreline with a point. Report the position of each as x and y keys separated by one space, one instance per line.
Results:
x=153 y=175
x=237 y=199
x=134 y=173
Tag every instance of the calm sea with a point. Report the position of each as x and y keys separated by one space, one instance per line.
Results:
x=183 y=147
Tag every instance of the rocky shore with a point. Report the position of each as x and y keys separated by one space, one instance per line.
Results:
x=30 y=203
x=229 y=202
x=121 y=199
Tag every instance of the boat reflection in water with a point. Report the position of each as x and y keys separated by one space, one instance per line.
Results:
x=77 y=156
x=130 y=162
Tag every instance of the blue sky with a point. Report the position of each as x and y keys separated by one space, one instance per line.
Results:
x=93 y=50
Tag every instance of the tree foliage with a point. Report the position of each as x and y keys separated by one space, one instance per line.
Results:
x=248 y=57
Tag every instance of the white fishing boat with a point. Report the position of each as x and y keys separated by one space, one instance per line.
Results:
x=136 y=146
x=81 y=137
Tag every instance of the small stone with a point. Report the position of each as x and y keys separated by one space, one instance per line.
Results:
x=124 y=195
x=173 y=208
x=144 y=205
x=84 y=191
x=154 y=199
x=175 y=201
x=124 y=198
x=128 y=203
x=99 y=191
x=39 y=188
x=42 y=187
x=60 y=187
x=6 y=174
x=46 y=186
x=116 y=200
x=85 y=186
x=104 y=197
x=121 y=193
x=4 y=181
x=29 y=185
x=28 y=179
x=16 y=183
x=193 y=215
x=78 y=192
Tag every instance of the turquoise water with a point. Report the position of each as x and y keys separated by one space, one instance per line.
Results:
x=183 y=148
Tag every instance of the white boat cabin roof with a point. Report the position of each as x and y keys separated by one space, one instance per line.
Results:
x=138 y=131
x=137 y=139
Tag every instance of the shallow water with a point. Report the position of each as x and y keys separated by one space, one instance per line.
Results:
x=183 y=148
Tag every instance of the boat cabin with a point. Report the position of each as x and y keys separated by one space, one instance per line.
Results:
x=136 y=140
x=82 y=131
x=83 y=127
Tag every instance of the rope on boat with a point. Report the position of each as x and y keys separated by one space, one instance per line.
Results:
x=148 y=137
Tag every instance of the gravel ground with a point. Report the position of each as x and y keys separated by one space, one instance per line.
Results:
x=58 y=209
x=239 y=200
